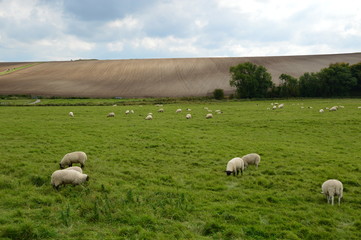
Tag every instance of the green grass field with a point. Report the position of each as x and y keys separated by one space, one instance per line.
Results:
x=165 y=179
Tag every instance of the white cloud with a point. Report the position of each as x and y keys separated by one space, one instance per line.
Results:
x=115 y=46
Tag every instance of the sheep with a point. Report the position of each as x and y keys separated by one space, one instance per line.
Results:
x=127 y=112
x=209 y=115
x=332 y=187
x=63 y=177
x=178 y=110
x=111 y=114
x=235 y=165
x=73 y=157
x=321 y=110
x=281 y=105
x=131 y=111
x=251 y=159
x=188 y=116
x=188 y=109
x=149 y=117
x=161 y=110
x=274 y=107
x=218 y=111
x=334 y=108
x=71 y=114
x=75 y=168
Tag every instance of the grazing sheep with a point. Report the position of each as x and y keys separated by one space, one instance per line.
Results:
x=149 y=117
x=188 y=109
x=332 y=187
x=209 y=115
x=73 y=157
x=127 y=112
x=235 y=165
x=71 y=114
x=75 y=168
x=321 y=111
x=274 y=107
x=251 y=159
x=63 y=177
x=281 y=105
x=111 y=114
x=178 y=110
x=131 y=111
x=334 y=108
x=188 y=116
x=218 y=111
x=161 y=110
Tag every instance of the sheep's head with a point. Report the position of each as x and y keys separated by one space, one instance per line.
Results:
x=87 y=178
x=61 y=166
x=229 y=173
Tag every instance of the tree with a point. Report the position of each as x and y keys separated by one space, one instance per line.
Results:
x=356 y=73
x=289 y=86
x=218 y=94
x=250 y=80
x=310 y=85
x=337 y=80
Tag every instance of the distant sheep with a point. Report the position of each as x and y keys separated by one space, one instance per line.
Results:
x=321 y=110
x=111 y=114
x=188 y=116
x=334 y=108
x=63 y=177
x=281 y=105
x=274 y=107
x=71 y=114
x=209 y=115
x=161 y=110
x=251 y=159
x=73 y=157
x=331 y=188
x=178 y=110
x=149 y=117
x=188 y=109
x=235 y=165
x=127 y=112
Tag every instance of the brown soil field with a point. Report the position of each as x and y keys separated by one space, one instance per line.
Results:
x=178 y=77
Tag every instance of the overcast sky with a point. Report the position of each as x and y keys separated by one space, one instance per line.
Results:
x=44 y=30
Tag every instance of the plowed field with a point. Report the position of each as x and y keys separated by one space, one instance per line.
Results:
x=149 y=77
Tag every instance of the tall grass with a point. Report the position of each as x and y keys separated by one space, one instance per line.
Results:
x=164 y=178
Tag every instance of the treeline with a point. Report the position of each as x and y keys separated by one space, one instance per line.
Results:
x=337 y=80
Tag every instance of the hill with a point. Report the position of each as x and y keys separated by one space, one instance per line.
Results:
x=148 y=77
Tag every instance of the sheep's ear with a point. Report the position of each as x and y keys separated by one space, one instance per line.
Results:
x=61 y=167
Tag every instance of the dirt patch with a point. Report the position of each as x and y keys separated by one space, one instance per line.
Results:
x=176 y=77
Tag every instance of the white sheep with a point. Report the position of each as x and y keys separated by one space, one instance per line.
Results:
x=63 y=177
x=178 y=110
x=75 y=168
x=274 y=107
x=188 y=109
x=281 y=105
x=161 y=110
x=71 y=114
x=321 y=110
x=111 y=114
x=131 y=111
x=331 y=188
x=127 y=112
x=188 y=116
x=149 y=117
x=235 y=165
x=73 y=157
x=334 y=108
x=251 y=159
x=209 y=115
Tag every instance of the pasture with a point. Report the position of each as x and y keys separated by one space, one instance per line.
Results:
x=165 y=179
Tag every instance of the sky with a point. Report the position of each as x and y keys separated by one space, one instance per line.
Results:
x=56 y=30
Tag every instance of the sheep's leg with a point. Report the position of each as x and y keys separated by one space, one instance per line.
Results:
x=332 y=197
x=339 y=201
x=237 y=172
x=81 y=165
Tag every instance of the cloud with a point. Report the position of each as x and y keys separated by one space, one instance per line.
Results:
x=110 y=29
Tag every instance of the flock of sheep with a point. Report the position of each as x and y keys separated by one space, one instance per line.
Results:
x=74 y=175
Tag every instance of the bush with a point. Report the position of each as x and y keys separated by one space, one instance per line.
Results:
x=218 y=94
